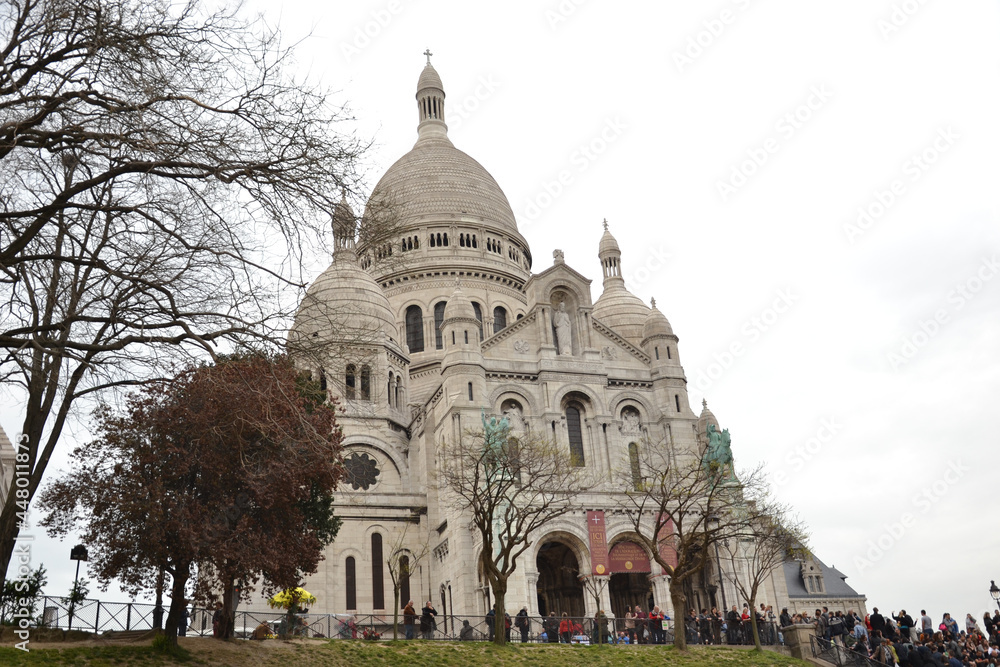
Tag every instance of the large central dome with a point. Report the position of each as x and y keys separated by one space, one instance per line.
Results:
x=436 y=181
x=437 y=211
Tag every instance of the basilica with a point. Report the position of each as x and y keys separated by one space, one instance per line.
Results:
x=419 y=332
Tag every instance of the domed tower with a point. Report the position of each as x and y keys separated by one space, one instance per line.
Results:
x=344 y=332
x=618 y=308
x=448 y=220
x=462 y=365
x=660 y=344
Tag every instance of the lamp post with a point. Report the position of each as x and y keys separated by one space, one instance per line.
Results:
x=995 y=592
x=77 y=553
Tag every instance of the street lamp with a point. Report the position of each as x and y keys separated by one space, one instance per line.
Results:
x=995 y=592
x=77 y=553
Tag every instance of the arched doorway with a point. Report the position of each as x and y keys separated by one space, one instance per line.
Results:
x=629 y=584
x=559 y=590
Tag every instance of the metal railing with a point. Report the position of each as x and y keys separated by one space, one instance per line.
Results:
x=838 y=654
x=98 y=617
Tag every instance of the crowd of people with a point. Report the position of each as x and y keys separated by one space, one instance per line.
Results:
x=908 y=641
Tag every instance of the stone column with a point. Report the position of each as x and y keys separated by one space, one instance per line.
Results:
x=531 y=583
x=604 y=586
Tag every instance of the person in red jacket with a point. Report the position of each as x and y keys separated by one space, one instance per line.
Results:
x=565 y=628
x=658 y=636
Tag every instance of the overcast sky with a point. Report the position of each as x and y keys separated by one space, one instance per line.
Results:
x=807 y=189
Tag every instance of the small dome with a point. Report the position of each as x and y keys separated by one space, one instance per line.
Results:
x=608 y=243
x=656 y=324
x=705 y=418
x=459 y=307
x=344 y=304
x=429 y=79
x=623 y=311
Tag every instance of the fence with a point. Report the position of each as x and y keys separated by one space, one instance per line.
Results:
x=96 y=616
x=839 y=655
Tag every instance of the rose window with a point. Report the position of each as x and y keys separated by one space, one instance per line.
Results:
x=362 y=471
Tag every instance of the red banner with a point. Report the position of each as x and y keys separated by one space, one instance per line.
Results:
x=628 y=557
x=598 y=542
x=665 y=541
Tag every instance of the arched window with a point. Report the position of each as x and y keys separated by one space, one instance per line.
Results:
x=479 y=316
x=390 y=388
x=575 y=428
x=499 y=319
x=366 y=383
x=677 y=402
x=404 y=578
x=351 y=584
x=415 y=329
x=350 y=382
x=470 y=391
x=438 y=321
x=378 y=585
x=633 y=461
x=399 y=392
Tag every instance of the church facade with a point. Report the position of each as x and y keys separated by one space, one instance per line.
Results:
x=418 y=333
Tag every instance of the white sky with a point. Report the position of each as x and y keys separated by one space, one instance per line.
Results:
x=531 y=84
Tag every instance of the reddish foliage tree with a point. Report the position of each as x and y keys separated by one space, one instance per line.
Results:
x=229 y=468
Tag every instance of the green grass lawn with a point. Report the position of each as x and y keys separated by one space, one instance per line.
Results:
x=408 y=654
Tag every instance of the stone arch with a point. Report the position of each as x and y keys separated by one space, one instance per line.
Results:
x=621 y=399
x=559 y=399
x=515 y=391
x=559 y=557
x=379 y=448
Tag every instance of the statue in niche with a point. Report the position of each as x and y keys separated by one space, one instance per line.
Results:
x=514 y=416
x=630 y=422
x=564 y=330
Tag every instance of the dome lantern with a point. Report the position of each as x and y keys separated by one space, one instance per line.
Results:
x=430 y=103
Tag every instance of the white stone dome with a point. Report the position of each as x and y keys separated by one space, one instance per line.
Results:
x=656 y=324
x=623 y=311
x=437 y=182
x=344 y=305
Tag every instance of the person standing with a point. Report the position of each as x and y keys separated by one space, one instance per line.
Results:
x=522 y=624
x=640 y=625
x=565 y=629
x=427 y=621
x=217 y=620
x=733 y=626
x=630 y=625
x=410 y=620
x=490 y=619
x=182 y=627
x=551 y=626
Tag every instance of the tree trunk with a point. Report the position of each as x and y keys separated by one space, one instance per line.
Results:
x=500 y=622
x=395 y=611
x=679 y=601
x=177 y=602
x=753 y=625
x=228 y=613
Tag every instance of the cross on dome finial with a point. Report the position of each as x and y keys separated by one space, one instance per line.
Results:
x=704 y=404
x=605 y=224
x=428 y=54
x=652 y=302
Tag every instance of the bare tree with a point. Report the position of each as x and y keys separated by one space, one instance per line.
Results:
x=162 y=179
x=678 y=507
x=508 y=487
x=764 y=536
x=402 y=562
